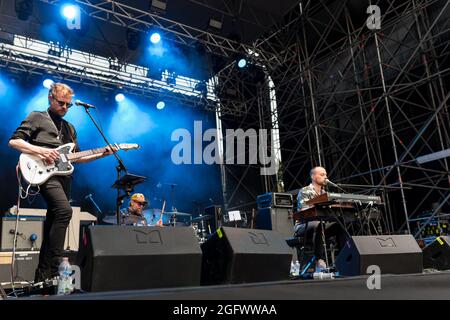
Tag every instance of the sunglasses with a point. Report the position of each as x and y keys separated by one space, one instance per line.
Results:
x=140 y=203
x=62 y=103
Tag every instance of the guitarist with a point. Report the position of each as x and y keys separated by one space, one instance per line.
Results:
x=38 y=134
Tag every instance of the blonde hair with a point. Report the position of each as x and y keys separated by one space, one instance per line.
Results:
x=60 y=87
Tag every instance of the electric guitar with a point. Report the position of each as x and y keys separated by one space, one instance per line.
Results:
x=36 y=170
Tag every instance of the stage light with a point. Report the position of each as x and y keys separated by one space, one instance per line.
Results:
x=214 y=25
x=171 y=79
x=242 y=63
x=155 y=38
x=160 y=105
x=158 y=6
x=120 y=97
x=69 y=11
x=202 y=88
x=72 y=15
x=47 y=83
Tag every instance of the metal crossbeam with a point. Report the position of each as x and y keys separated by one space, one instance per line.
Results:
x=136 y=19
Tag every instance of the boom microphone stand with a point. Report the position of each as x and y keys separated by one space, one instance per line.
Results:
x=126 y=181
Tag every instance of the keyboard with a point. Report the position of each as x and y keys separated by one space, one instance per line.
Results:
x=344 y=197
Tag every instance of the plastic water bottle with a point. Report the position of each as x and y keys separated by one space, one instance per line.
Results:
x=295 y=268
x=323 y=275
x=65 y=285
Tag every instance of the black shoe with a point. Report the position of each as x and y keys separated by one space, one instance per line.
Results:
x=43 y=275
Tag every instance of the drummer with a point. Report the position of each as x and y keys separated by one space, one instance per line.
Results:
x=133 y=214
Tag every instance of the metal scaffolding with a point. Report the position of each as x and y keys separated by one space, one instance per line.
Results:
x=143 y=20
x=365 y=104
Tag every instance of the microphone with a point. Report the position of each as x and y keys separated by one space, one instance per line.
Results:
x=88 y=196
x=332 y=183
x=84 y=104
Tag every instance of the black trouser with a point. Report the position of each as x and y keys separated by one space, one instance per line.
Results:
x=314 y=233
x=56 y=193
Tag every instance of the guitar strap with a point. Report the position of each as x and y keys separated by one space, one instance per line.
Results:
x=72 y=133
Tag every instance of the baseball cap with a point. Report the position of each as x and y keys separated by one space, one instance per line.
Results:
x=139 y=197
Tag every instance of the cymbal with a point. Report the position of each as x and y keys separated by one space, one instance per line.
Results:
x=110 y=219
x=177 y=214
x=201 y=218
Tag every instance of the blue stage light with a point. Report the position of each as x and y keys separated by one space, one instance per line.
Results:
x=160 y=105
x=242 y=63
x=47 y=83
x=155 y=38
x=69 y=11
x=120 y=97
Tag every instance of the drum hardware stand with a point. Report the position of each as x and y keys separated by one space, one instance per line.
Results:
x=172 y=191
x=90 y=197
x=3 y=295
x=172 y=196
x=219 y=217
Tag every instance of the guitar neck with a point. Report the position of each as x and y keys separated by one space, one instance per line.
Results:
x=82 y=154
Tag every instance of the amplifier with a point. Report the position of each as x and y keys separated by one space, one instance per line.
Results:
x=29 y=233
x=25 y=266
x=276 y=219
x=274 y=200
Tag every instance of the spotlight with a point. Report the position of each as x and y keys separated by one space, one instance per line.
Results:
x=171 y=79
x=23 y=8
x=158 y=6
x=70 y=11
x=160 y=105
x=47 y=83
x=72 y=15
x=155 y=38
x=242 y=63
x=120 y=97
x=214 y=25
x=201 y=86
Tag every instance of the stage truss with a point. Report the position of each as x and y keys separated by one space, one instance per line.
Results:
x=366 y=104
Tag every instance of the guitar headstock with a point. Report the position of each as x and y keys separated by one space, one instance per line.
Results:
x=127 y=146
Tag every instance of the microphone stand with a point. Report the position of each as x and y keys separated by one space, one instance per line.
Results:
x=89 y=196
x=119 y=168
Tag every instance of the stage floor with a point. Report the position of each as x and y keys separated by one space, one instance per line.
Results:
x=425 y=286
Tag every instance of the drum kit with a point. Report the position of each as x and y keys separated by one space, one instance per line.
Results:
x=200 y=224
x=174 y=218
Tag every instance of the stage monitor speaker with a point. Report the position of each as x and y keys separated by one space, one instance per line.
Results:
x=393 y=254
x=29 y=233
x=216 y=217
x=436 y=255
x=237 y=255
x=129 y=258
x=25 y=265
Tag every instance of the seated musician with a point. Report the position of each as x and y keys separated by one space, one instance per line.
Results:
x=316 y=188
x=133 y=214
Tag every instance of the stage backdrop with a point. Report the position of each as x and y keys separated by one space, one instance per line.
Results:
x=188 y=187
